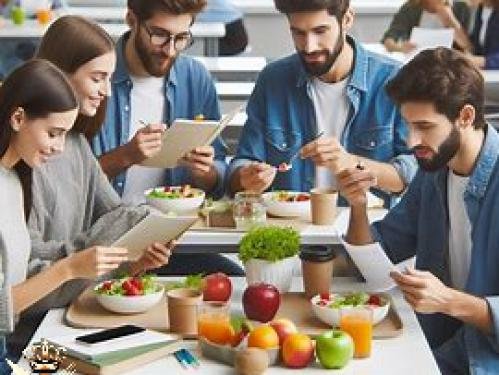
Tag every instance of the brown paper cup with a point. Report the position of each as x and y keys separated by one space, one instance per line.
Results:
x=182 y=310
x=317 y=277
x=323 y=206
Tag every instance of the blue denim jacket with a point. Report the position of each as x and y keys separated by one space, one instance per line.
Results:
x=189 y=91
x=419 y=225
x=281 y=118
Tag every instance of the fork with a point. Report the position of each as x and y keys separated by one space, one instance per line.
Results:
x=293 y=157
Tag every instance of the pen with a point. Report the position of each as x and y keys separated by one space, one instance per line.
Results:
x=190 y=357
x=181 y=359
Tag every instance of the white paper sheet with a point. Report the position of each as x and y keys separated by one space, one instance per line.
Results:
x=432 y=38
x=375 y=266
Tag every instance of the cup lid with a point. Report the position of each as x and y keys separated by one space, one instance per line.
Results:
x=317 y=254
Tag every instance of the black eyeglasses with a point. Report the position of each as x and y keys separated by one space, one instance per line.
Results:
x=180 y=41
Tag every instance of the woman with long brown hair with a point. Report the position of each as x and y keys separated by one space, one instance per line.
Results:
x=74 y=206
x=37 y=108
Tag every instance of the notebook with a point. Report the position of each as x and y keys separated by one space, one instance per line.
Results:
x=153 y=228
x=185 y=135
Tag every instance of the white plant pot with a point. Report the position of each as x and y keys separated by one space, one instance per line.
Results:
x=279 y=274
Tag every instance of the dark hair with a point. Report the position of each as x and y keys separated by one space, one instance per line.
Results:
x=336 y=8
x=69 y=43
x=443 y=77
x=145 y=9
x=39 y=88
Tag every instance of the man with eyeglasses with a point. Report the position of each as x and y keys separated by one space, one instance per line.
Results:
x=154 y=84
x=331 y=86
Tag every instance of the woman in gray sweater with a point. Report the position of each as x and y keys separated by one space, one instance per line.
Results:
x=74 y=205
x=37 y=108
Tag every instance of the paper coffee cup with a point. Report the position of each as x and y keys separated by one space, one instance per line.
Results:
x=182 y=310
x=323 y=206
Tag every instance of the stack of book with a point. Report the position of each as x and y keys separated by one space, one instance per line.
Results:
x=118 y=355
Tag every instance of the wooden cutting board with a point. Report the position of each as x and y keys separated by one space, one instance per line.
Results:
x=85 y=312
x=296 y=307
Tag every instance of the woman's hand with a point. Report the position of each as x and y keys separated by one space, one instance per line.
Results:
x=155 y=256
x=96 y=261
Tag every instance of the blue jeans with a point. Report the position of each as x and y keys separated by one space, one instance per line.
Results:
x=451 y=357
x=4 y=366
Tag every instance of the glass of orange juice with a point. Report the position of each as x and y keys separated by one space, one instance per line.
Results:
x=214 y=322
x=358 y=323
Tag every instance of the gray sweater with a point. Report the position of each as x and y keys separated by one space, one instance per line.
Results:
x=14 y=244
x=74 y=207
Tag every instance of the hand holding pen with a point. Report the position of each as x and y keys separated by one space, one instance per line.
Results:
x=145 y=143
x=354 y=183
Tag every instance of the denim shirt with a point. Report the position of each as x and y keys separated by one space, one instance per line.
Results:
x=281 y=118
x=189 y=90
x=419 y=225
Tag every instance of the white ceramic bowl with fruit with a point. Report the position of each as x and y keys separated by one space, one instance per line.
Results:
x=287 y=203
x=177 y=199
x=131 y=295
x=327 y=308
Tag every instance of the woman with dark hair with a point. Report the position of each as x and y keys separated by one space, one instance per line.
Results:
x=37 y=108
x=485 y=35
x=74 y=206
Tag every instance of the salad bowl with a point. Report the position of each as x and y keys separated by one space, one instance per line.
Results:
x=176 y=199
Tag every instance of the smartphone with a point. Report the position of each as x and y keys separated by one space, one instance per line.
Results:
x=109 y=334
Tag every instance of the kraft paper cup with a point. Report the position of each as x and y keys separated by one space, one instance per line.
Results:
x=182 y=310
x=323 y=206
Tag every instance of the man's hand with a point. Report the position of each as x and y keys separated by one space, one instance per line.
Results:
x=145 y=143
x=155 y=256
x=257 y=177
x=200 y=160
x=423 y=291
x=328 y=152
x=354 y=183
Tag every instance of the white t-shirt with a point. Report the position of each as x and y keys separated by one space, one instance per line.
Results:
x=331 y=111
x=486 y=13
x=147 y=103
x=459 y=231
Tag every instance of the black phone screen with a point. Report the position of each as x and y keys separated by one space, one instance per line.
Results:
x=109 y=334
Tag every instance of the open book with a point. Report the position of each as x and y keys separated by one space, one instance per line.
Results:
x=185 y=135
x=154 y=227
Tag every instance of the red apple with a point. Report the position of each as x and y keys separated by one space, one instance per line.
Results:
x=297 y=350
x=261 y=302
x=283 y=327
x=217 y=287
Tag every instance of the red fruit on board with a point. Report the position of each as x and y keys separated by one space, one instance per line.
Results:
x=217 y=287
x=261 y=302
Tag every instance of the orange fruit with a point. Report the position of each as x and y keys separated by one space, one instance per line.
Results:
x=263 y=337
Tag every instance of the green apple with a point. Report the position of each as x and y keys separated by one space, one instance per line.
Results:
x=18 y=15
x=334 y=349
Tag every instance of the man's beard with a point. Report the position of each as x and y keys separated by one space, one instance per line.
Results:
x=446 y=151
x=153 y=61
x=319 y=69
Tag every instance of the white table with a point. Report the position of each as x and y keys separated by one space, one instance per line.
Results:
x=407 y=354
x=227 y=242
x=234 y=91
x=208 y=32
x=233 y=68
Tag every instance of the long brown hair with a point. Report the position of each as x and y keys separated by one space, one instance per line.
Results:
x=69 y=43
x=39 y=88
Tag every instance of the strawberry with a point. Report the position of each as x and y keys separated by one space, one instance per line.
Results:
x=167 y=189
x=107 y=285
x=137 y=282
x=302 y=198
x=130 y=289
x=374 y=300
x=325 y=296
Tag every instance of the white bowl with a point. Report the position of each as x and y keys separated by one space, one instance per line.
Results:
x=286 y=209
x=130 y=304
x=332 y=316
x=177 y=205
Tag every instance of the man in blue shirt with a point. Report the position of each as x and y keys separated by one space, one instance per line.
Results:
x=331 y=86
x=448 y=216
x=155 y=84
